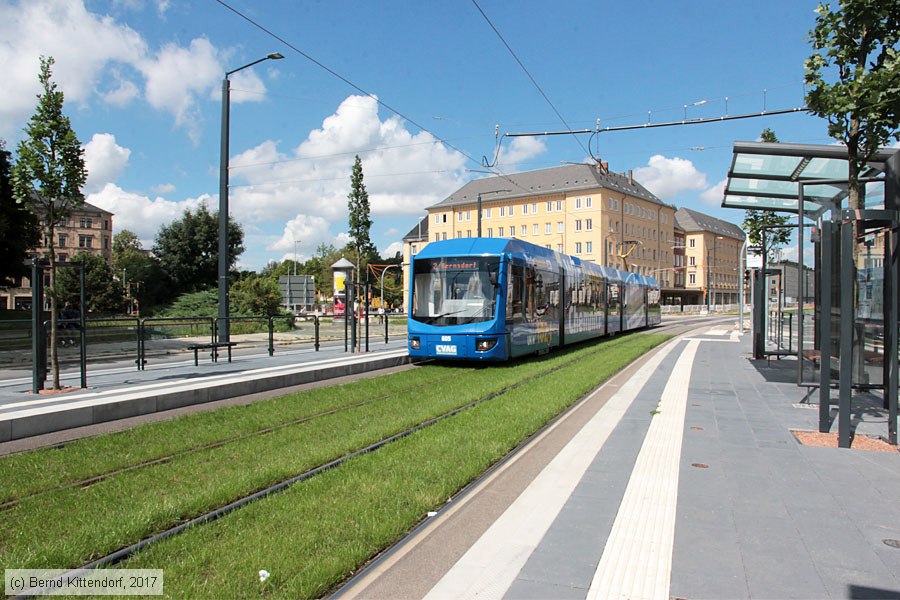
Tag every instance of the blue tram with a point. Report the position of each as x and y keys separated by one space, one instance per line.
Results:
x=496 y=298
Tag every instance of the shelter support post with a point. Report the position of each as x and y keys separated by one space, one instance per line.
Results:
x=824 y=326
x=892 y=292
x=845 y=379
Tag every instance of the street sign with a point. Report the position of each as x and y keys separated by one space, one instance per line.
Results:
x=754 y=257
x=297 y=291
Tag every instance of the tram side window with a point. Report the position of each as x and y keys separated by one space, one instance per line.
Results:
x=515 y=295
x=613 y=295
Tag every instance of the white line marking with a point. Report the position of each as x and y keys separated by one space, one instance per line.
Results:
x=637 y=559
x=490 y=566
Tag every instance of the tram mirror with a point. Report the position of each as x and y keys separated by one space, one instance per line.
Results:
x=493 y=277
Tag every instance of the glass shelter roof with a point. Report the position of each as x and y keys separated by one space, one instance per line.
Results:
x=767 y=176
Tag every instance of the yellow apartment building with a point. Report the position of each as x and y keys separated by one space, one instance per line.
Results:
x=583 y=210
x=712 y=250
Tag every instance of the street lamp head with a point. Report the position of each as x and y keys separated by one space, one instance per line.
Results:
x=275 y=56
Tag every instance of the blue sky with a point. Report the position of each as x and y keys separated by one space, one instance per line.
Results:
x=142 y=80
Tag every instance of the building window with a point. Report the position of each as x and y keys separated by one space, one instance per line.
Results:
x=61 y=258
x=559 y=227
x=577 y=202
x=468 y=215
x=468 y=233
x=437 y=219
x=559 y=205
x=549 y=206
x=535 y=229
x=487 y=213
x=559 y=247
x=511 y=211
x=61 y=241
x=589 y=224
x=444 y=235
x=523 y=230
x=502 y=211
x=459 y=234
x=413 y=250
x=692 y=279
x=587 y=202
x=577 y=247
x=85 y=241
x=691 y=261
x=490 y=232
x=86 y=223
x=547 y=228
x=589 y=247
x=577 y=224
x=692 y=243
x=437 y=237
x=524 y=209
x=501 y=231
x=534 y=208
x=459 y=216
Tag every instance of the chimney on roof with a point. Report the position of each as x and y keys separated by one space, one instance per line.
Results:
x=630 y=177
x=604 y=167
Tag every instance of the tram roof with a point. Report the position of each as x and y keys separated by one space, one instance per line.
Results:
x=768 y=176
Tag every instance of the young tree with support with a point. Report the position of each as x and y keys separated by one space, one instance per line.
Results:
x=47 y=178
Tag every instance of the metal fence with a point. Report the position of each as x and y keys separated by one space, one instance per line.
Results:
x=113 y=340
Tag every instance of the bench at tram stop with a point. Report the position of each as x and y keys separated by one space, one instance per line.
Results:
x=213 y=347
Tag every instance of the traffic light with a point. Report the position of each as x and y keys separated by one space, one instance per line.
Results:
x=747 y=276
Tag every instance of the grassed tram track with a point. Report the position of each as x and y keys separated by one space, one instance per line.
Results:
x=138 y=523
x=94 y=479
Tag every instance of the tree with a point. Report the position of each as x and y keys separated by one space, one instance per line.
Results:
x=48 y=177
x=860 y=40
x=103 y=294
x=754 y=220
x=18 y=227
x=256 y=295
x=359 y=221
x=188 y=249
x=142 y=276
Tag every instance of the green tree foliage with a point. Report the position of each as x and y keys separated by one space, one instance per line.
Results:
x=195 y=304
x=359 y=221
x=19 y=229
x=188 y=249
x=857 y=44
x=255 y=296
x=48 y=176
x=755 y=220
x=140 y=271
x=103 y=293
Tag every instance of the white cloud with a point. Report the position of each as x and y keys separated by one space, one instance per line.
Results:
x=105 y=161
x=715 y=194
x=308 y=231
x=669 y=177
x=403 y=172
x=164 y=188
x=176 y=76
x=392 y=250
x=139 y=213
x=519 y=150
x=82 y=44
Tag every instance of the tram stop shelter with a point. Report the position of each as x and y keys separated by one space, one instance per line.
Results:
x=847 y=339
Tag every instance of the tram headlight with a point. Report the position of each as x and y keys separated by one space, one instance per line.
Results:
x=485 y=344
x=414 y=343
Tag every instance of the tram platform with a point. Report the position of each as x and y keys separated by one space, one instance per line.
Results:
x=119 y=392
x=679 y=478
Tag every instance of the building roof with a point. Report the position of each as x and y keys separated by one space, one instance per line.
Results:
x=569 y=178
x=419 y=232
x=694 y=222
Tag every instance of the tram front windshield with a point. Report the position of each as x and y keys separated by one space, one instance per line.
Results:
x=454 y=291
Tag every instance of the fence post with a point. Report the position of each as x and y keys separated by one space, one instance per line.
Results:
x=366 y=301
x=386 y=319
x=791 y=332
x=272 y=336
x=316 y=343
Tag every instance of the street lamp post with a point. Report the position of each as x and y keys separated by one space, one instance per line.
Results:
x=223 y=326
